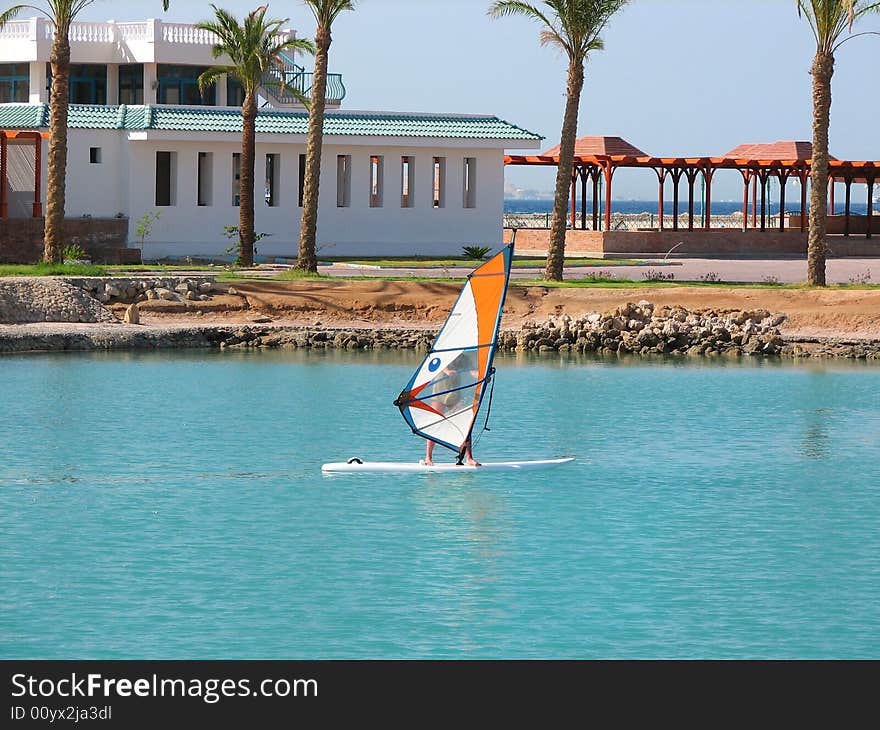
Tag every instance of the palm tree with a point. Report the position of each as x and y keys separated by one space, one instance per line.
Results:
x=62 y=13
x=831 y=22
x=253 y=47
x=325 y=12
x=574 y=27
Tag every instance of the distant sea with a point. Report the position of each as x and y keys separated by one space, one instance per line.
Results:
x=650 y=206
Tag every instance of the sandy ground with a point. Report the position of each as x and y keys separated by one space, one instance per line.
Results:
x=851 y=314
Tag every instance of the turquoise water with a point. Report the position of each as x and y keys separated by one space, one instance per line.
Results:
x=171 y=506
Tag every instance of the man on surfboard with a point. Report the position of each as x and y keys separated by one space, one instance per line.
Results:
x=450 y=383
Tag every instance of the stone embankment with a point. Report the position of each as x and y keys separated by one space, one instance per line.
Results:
x=640 y=328
x=138 y=289
x=80 y=299
x=31 y=299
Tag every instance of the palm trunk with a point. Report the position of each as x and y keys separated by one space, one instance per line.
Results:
x=53 y=231
x=308 y=227
x=822 y=71
x=246 y=181
x=556 y=246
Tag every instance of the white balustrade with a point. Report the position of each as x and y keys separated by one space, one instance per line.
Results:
x=131 y=31
x=187 y=34
x=16 y=29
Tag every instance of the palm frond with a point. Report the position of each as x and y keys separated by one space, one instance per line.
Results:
x=209 y=76
x=327 y=11
x=8 y=15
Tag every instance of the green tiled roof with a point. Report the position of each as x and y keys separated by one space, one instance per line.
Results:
x=209 y=119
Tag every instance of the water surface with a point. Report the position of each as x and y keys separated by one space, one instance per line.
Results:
x=172 y=506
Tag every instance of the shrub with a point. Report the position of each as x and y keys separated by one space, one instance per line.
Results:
x=475 y=252
x=74 y=252
x=657 y=275
x=863 y=278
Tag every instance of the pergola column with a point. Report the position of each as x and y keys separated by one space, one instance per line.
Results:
x=4 y=148
x=608 y=168
x=573 y=196
x=595 y=175
x=38 y=176
x=583 y=176
x=870 y=180
x=847 y=181
x=747 y=177
x=675 y=173
x=661 y=180
x=782 y=174
x=804 y=176
x=691 y=174
x=708 y=173
x=755 y=200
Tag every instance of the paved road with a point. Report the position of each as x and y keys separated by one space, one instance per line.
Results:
x=783 y=271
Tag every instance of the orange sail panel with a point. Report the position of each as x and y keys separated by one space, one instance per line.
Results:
x=442 y=399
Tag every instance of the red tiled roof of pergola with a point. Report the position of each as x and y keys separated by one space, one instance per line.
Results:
x=779 y=150
x=596 y=146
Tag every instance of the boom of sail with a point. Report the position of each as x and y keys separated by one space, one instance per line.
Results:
x=443 y=397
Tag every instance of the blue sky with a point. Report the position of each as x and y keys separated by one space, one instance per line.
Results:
x=677 y=77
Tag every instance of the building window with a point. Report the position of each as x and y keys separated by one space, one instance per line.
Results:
x=470 y=182
x=407 y=181
x=439 y=184
x=205 y=178
x=131 y=83
x=376 y=180
x=166 y=167
x=302 y=179
x=14 y=82
x=95 y=155
x=180 y=85
x=343 y=181
x=234 y=92
x=236 y=179
x=273 y=177
x=87 y=82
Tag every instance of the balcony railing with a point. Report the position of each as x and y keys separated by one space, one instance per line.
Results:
x=283 y=85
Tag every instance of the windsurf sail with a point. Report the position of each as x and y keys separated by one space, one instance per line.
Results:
x=442 y=399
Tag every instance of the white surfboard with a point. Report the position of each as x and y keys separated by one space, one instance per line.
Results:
x=389 y=467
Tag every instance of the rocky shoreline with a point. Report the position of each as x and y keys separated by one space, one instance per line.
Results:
x=42 y=315
x=547 y=339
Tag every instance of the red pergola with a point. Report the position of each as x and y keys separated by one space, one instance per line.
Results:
x=597 y=157
x=37 y=137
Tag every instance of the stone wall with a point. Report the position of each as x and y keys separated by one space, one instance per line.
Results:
x=715 y=242
x=104 y=239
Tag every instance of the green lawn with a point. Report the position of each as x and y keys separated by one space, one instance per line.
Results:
x=51 y=270
x=429 y=262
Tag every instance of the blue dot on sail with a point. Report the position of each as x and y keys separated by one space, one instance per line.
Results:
x=434 y=364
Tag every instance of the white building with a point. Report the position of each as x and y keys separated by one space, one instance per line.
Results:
x=142 y=139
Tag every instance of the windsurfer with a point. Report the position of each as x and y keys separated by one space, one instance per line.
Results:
x=450 y=383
